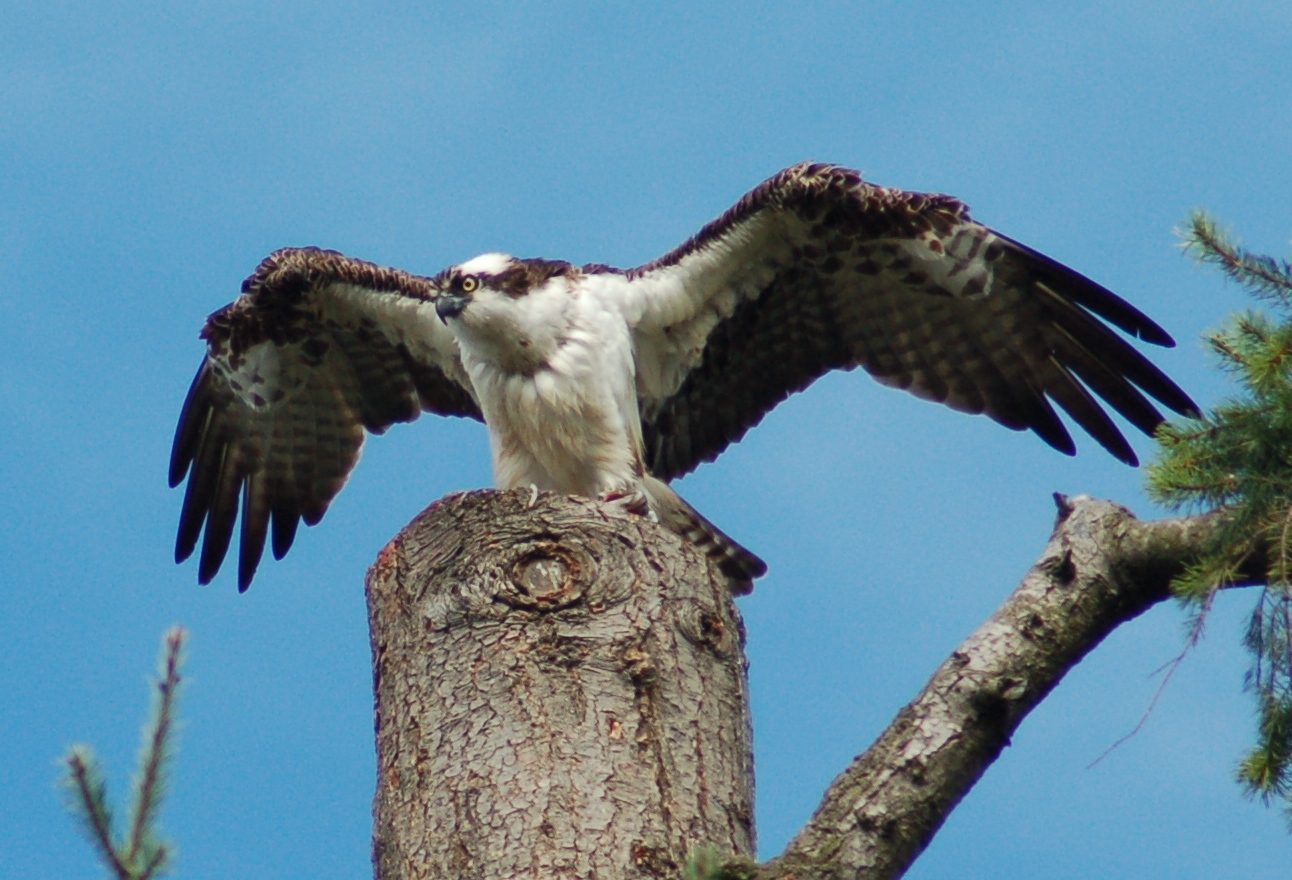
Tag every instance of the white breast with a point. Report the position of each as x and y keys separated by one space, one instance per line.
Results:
x=571 y=425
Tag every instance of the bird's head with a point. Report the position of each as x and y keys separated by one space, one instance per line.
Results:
x=485 y=278
x=496 y=302
x=491 y=278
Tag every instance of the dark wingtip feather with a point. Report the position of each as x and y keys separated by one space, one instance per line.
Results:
x=220 y=518
x=188 y=431
x=1105 y=361
x=285 y=521
x=1164 y=339
x=214 y=548
x=190 y=526
x=198 y=497
x=1176 y=400
x=1184 y=405
x=1068 y=448
x=255 y=527
x=1049 y=427
x=1118 y=447
x=1149 y=331
x=1086 y=412
x=178 y=468
x=1095 y=297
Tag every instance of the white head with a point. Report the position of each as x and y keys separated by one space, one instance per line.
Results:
x=504 y=310
x=486 y=264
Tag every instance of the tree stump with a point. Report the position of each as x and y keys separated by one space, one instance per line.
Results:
x=560 y=692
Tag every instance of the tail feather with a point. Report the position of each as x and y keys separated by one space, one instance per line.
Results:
x=678 y=516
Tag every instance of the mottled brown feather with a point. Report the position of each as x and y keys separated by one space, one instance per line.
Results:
x=285 y=459
x=1007 y=331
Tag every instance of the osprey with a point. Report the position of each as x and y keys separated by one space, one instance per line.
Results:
x=609 y=383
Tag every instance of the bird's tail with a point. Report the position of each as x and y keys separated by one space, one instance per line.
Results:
x=678 y=516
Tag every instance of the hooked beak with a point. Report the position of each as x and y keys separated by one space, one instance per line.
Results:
x=450 y=305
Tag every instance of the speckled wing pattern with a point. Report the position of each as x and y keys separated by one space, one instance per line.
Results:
x=318 y=348
x=816 y=270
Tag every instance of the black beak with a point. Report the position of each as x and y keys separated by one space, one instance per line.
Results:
x=450 y=305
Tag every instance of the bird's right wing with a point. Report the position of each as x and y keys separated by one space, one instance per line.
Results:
x=817 y=270
x=317 y=348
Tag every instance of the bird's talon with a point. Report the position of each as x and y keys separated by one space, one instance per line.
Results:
x=628 y=501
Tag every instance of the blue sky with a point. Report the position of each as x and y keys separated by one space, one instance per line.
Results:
x=150 y=156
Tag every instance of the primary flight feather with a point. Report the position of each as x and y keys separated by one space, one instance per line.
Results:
x=608 y=383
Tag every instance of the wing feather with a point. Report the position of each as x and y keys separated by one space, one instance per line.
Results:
x=318 y=348
x=255 y=524
x=816 y=270
x=1086 y=412
x=286 y=519
x=223 y=512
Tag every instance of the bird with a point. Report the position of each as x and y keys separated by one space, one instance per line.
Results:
x=609 y=383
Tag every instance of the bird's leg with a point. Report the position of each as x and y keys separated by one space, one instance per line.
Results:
x=629 y=500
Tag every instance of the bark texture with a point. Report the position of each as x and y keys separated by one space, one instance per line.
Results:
x=559 y=693
x=562 y=694
x=1101 y=568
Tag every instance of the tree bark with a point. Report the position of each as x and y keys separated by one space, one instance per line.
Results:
x=1101 y=568
x=559 y=693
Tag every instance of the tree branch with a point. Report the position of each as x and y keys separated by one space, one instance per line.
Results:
x=1101 y=568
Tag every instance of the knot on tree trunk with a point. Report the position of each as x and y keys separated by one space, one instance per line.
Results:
x=560 y=692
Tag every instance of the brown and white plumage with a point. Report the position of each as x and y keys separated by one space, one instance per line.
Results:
x=609 y=383
x=317 y=349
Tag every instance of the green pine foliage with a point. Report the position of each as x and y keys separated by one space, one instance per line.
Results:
x=1237 y=461
x=141 y=854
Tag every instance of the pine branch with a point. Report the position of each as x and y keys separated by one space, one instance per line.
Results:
x=88 y=797
x=144 y=855
x=1264 y=276
x=156 y=753
x=1236 y=461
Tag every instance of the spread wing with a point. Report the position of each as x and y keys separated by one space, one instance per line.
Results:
x=317 y=348
x=816 y=270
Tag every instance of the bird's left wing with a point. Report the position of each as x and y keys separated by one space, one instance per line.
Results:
x=816 y=270
x=317 y=348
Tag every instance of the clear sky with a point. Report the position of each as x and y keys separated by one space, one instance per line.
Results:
x=151 y=155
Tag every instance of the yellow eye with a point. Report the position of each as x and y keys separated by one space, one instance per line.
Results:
x=469 y=284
